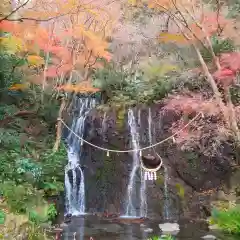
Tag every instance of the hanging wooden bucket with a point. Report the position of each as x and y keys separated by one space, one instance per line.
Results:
x=151 y=163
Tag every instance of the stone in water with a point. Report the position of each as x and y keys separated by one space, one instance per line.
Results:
x=169 y=228
x=209 y=237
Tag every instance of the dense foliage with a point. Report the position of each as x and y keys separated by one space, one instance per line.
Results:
x=195 y=68
x=228 y=220
x=29 y=172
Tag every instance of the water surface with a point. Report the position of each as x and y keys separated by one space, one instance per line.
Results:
x=100 y=229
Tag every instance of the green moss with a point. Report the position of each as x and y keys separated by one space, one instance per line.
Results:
x=192 y=159
x=180 y=190
x=160 y=179
x=120 y=117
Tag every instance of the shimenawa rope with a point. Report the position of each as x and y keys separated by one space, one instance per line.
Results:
x=131 y=150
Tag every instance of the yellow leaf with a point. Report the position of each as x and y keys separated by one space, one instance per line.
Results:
x=12 y=44
x=161 y=70
x=133 y=2
x=35 y=60
x=171 y=37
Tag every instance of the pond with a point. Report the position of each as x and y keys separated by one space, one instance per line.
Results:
x=100 y=229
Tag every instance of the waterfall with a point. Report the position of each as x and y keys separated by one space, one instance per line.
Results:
x=143 y=204
x=104 y=126
x=166 y=207
x=132 y=197
x=143 y=207
x=131 y=189
x=150 y=126
x=166 y=195
x=74 y=176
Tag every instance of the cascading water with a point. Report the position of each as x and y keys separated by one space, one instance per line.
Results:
x=166 y=195
x=74 y=176
x=143 y=204
x=143 y=181
x=132 y=193
x=150 y=126
x=166 y=207
x=131 y=189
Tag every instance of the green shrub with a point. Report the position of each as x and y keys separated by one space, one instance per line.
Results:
x=44 y=213
x=2 y=217
x=234 y=8
x=165 y=237
x=51 y=212
x=52 y=188
x=228 y=221
x=20 y=198
x=38 y=215
x=19 y=227
x=219 y=46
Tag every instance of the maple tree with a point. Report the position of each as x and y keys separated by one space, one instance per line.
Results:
x=61 y=47
x=193 y=23
x=80 y=45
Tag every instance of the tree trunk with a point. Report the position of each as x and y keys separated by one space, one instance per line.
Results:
x=59 y=127
x=227 y=111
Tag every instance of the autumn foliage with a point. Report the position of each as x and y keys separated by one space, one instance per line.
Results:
x=230 y=63
x=193 y=23
x=62 y=48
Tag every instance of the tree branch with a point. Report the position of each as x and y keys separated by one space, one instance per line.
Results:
x=14 y=11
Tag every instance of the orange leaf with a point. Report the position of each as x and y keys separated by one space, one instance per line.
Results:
x=18 y=86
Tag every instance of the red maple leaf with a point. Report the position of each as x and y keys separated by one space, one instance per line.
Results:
x=6 y=26
x=224 y=73
x=225 y=76
x=230 y=61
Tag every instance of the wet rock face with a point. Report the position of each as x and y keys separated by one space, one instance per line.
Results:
x=107 y=176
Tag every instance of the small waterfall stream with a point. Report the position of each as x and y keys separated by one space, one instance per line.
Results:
x=74 y=176
x=143 y=205
x=166 y=195
x=131 y=210
x=166 y=207
x=150 y=126
x=132 y=189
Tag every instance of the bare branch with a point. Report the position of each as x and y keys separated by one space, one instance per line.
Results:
x=14 y=11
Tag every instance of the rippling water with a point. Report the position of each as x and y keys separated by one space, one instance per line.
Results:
x=91 y=226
